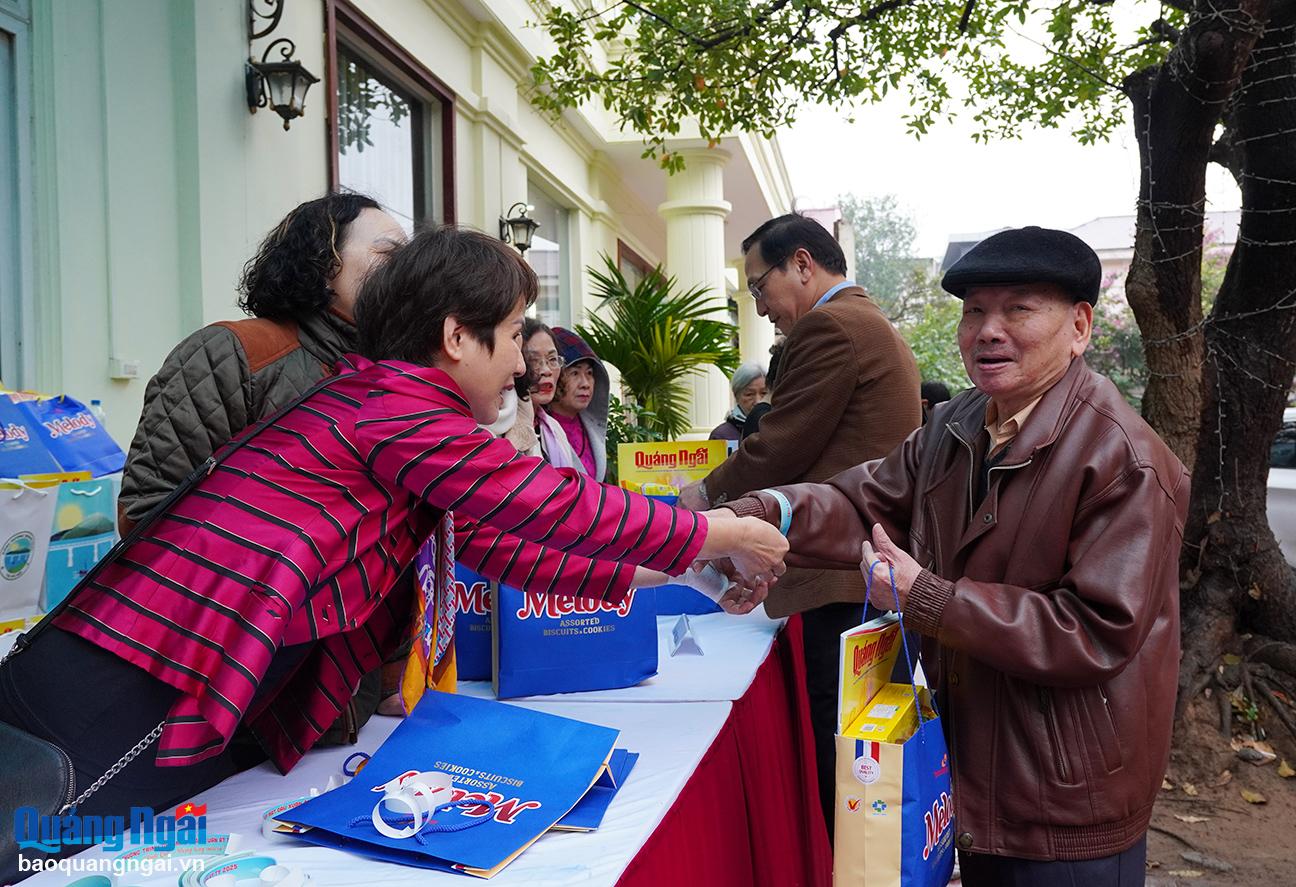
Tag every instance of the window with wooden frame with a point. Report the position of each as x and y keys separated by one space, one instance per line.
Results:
x=633 y=267
x=391 y=132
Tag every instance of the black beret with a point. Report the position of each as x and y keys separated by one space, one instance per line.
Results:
x=1029 y=255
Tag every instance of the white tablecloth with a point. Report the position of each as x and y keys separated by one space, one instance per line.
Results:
x=692 y=698
x=733 y=648
x=670 y=739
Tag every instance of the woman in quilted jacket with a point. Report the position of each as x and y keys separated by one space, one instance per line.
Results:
x=300 y=290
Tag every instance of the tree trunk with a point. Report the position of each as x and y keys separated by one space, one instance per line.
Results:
x=1172 y=340
x=1234 y=573
x=1177 y=106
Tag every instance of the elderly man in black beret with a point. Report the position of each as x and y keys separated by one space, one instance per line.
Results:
x=1033 y=526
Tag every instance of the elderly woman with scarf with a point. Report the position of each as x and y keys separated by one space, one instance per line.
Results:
x=748 y=386
x=576 y=431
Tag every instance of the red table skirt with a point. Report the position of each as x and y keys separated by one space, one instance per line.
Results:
x=749 y=814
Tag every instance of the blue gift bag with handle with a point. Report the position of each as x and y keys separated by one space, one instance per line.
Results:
x=85 y=529
x=514 y=773
x=678 y=600
x=561 y=644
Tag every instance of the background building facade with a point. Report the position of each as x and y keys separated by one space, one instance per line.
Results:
x=135 y=183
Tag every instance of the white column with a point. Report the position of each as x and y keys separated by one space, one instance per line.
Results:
x=755 y=333
x=695 y=211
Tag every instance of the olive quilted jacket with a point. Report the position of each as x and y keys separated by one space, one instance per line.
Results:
x=207 y=391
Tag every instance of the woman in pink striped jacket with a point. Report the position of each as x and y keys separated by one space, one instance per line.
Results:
x=260 y=598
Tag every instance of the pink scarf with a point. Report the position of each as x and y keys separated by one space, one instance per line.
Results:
x=553 y=440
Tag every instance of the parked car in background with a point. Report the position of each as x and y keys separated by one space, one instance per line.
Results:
x=1282 y=486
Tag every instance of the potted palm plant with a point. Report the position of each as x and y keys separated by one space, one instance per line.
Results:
x=657 y=336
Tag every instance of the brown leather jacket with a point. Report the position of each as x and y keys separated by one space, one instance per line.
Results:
x=1049 y=610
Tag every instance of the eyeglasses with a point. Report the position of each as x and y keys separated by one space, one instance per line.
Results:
x=755 y=286
x=554 y=362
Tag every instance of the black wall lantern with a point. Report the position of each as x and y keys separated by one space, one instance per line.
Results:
x=282 y=85
x=518 y=228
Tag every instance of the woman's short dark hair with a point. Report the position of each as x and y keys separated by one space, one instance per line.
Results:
x=531 y=326
x=780 y=237
x=289 y=276
x=441 y=272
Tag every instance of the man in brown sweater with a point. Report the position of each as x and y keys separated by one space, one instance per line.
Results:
x=847 y=392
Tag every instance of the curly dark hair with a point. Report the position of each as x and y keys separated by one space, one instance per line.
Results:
x=289 y=276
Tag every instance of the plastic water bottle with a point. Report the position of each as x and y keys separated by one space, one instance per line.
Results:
x=97 y=410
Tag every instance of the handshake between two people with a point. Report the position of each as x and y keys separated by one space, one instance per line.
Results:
x=739 y=561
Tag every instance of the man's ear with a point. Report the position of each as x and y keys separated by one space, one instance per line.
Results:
x=1082 y=318
x=804 y=263
x=453 y=335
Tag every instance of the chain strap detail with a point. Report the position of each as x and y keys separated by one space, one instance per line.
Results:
x=116 y=768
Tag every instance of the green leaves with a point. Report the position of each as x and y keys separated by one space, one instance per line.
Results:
x=657 y=337
x=884 y=249
x=749 y=66
x=933 y=336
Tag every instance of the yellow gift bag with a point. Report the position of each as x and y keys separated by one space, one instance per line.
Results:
x=894 y=808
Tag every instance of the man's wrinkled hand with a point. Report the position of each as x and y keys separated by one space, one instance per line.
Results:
x=876 y=556
x=738 y=595
x=691 y=498
x=741 y=599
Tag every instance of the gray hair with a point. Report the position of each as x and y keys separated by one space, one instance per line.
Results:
x=745 y=375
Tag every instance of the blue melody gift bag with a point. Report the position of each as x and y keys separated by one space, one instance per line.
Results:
x=462 y=785
x=39 y=430
x=561 y=644
x=894 y=816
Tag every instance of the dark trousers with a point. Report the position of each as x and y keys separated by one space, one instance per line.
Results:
x=821 y=632
x=96 y=706
x=1125 y=869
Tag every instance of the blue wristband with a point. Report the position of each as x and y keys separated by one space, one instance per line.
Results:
x=785 y=510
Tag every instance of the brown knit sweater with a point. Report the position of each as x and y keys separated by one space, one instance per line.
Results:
x=847 y=392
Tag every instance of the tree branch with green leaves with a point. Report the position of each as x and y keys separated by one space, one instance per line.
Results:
x=729 y=66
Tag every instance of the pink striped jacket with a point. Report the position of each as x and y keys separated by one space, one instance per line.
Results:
x=299 y=537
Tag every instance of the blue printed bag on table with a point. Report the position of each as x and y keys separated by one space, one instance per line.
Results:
x=22 y=449
x=561 y=644
x=472 y=593
x=894 y=814
x=68 y=432
x=462 y=785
